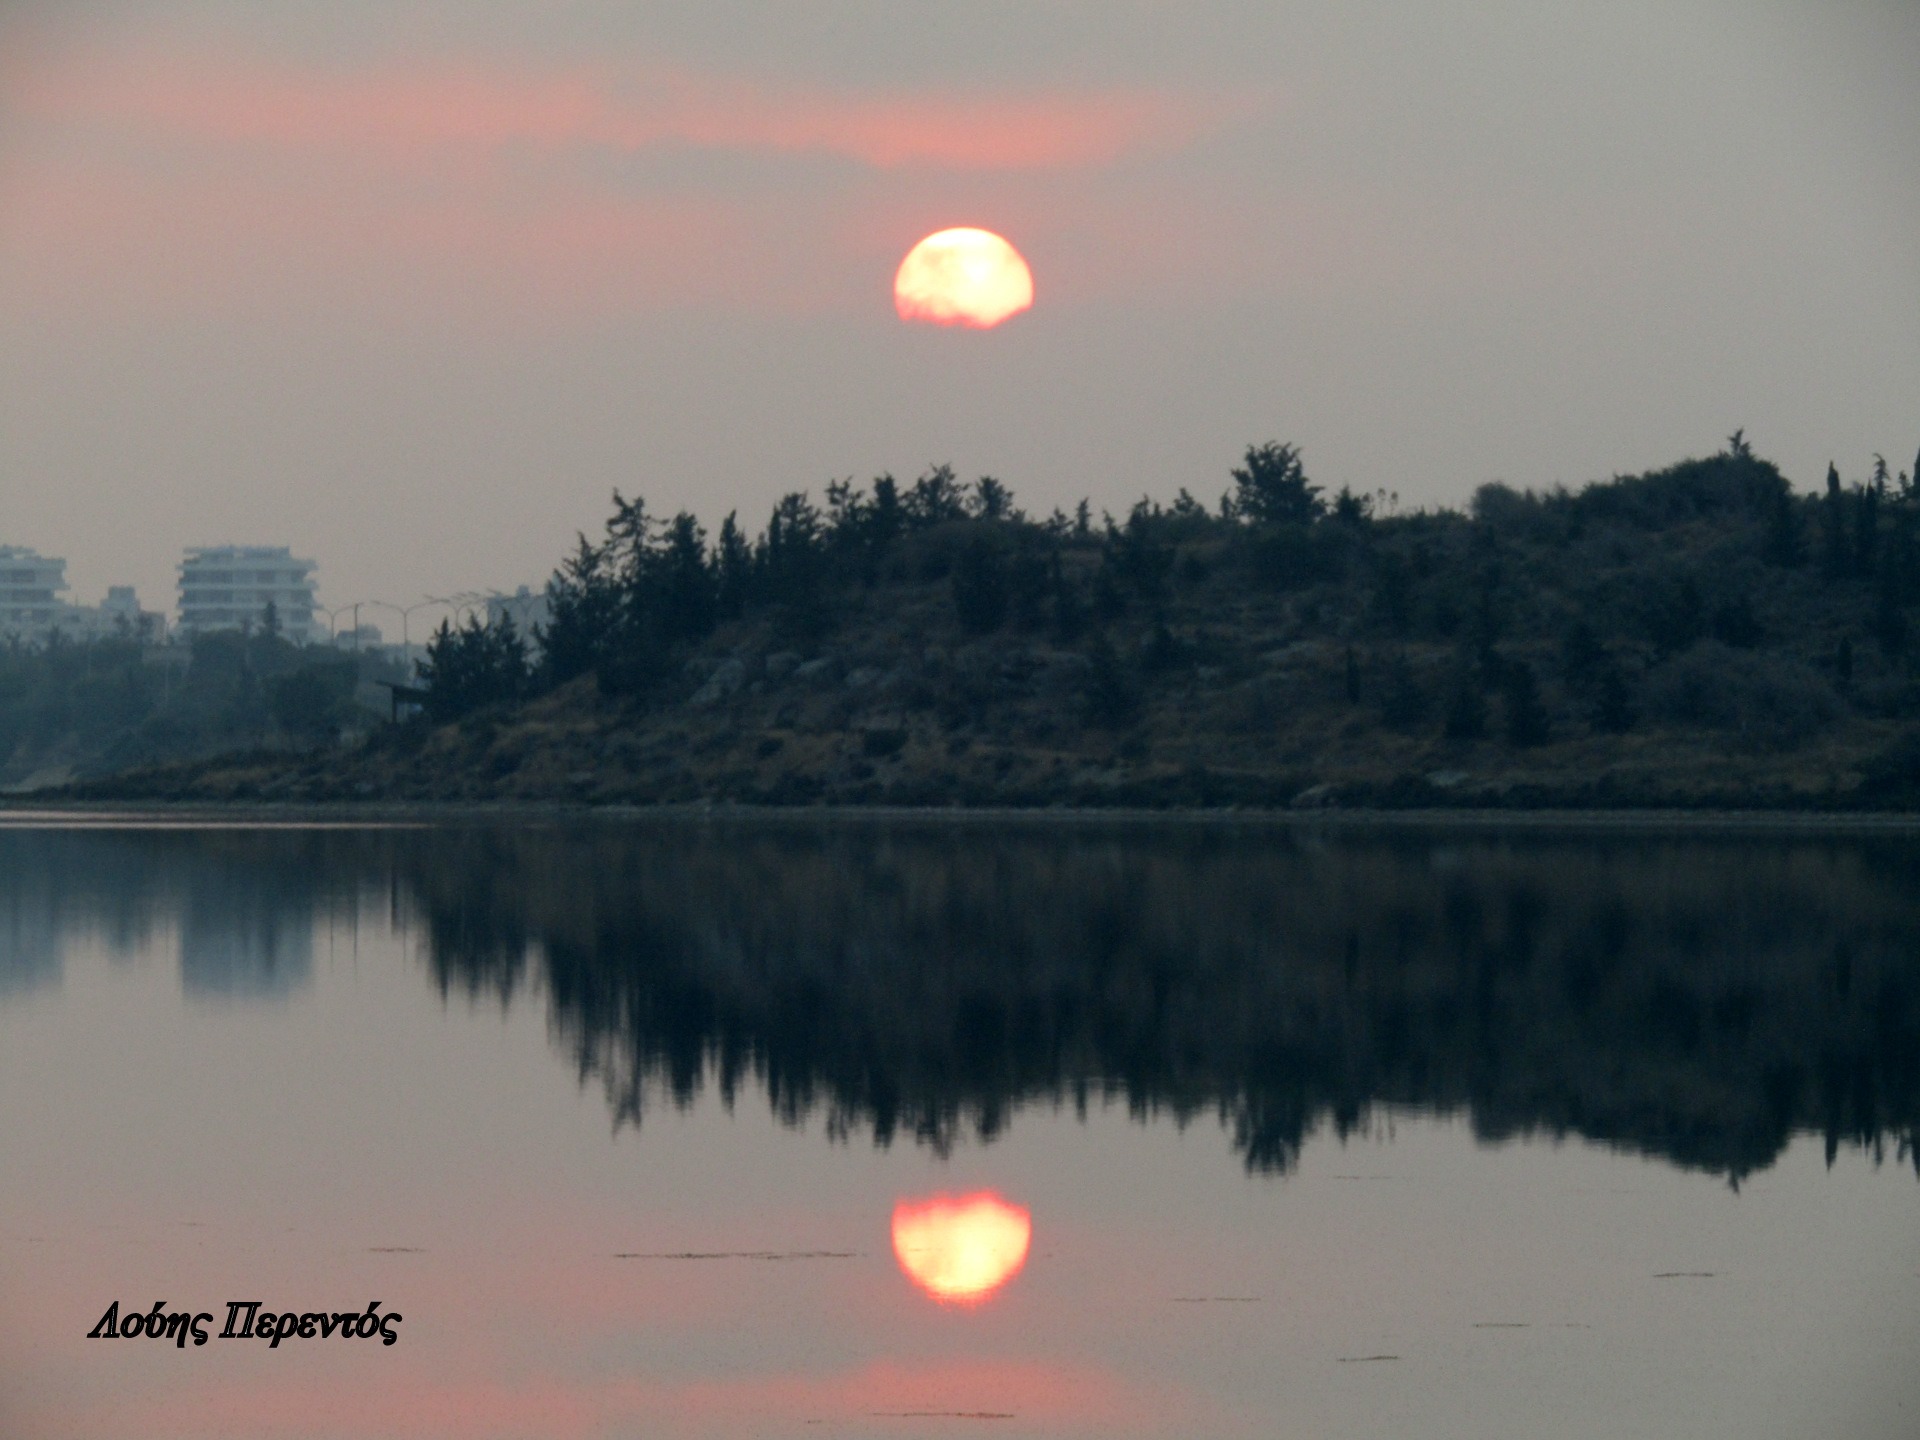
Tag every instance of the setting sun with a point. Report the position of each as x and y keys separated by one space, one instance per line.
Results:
x=961 y=1247
x=962 y=277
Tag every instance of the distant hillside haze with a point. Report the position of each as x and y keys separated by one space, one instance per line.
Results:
x=1697 y=635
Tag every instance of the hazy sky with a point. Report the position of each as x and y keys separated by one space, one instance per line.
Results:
x=413 y=287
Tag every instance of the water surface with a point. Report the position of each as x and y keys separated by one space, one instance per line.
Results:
x=1316 y=1133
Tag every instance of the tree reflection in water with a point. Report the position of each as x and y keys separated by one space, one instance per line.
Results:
x=1698 y=998
x=1695 y=998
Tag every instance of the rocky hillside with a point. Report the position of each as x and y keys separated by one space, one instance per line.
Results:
x=1699 y=636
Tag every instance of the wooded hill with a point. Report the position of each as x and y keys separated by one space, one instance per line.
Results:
x=1698 y=635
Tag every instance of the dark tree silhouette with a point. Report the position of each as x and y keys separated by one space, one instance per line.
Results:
x=583 y=608
x=688 y=599
x=935 y=499
x=1466 y=705
x=1526 y=717
x=733 y=570
x=980 y=587
x=1271 y=488
x=473 y=666
x=991 y=499
x=1836 y=551
x=1786 y=542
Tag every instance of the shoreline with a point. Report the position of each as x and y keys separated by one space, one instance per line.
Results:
x=24 y=813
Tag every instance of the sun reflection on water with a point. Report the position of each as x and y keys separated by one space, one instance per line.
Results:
x=961 y=1248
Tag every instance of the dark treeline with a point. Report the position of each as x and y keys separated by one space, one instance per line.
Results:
x=1707 y=599
x=1702 y=636
x=625 y=608
x=1719 y=559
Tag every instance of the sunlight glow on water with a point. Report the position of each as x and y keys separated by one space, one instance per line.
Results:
x=1452 y=1137
x=961 y=1248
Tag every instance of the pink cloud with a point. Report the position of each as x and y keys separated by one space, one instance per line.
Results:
x=226 y=181
x=401 y=111
x=96 y=236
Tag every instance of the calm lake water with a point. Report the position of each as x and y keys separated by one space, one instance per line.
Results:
x=889 y=1128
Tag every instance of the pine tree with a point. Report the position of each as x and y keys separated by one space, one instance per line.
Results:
x=1866 y=524
x=1112 y=694
x=1526 y=717
x=935 y=499
x=1069 y=611
x=1271 y=488
x=1403 y=704
x=1835 y=551
x=991 y=499
x=1613 y=710
x=980 y=587
x=1351 y=510
x=474 y=665
x=1890 y=630
x=1786 y=543
x=884 y=516
x=687 y=593
x=1466 y=705
x=733 y=570
x=583 y=613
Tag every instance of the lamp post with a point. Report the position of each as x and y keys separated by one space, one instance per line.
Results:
x=463 y=600
x=404 y=611
x=333 y=631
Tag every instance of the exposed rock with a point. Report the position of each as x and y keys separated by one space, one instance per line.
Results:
x=727 y=677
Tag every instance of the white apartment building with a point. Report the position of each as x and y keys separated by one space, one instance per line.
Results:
x=527 y=607
x=228 y=587
x=121 y=614
x=30 y=586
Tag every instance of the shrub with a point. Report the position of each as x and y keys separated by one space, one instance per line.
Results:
x=980 y=587
x=1766 y=695
x=314 y=700
x=1466 y=706
x=1112 y=692
x=1526 y=717
x=1403 y=705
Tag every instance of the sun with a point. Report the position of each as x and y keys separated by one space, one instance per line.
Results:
x=961 y=1248
x=962 y=277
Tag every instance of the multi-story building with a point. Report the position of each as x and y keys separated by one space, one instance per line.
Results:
x=528 y=609
x=30 y=586
x=120 y=614
x=229 y=587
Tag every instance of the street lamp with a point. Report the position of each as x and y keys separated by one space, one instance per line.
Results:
x=463 y=600
x=404 y=611
x=333 y=632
